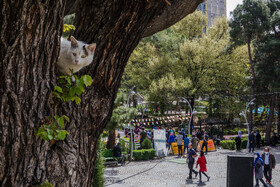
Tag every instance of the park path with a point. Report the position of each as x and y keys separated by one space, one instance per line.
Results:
x=163 y=173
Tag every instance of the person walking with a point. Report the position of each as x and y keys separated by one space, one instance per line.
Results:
x=201 y=161
x=195 y=141
x=259 y=170
x=186 y=143
x=191 y=159
x=269 y=164
x=258 y=139
x=205 y=142
x=251 y=142
x=238 y=141
x=179 y=139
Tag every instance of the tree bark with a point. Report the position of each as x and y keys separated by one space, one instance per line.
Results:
x=210 y=107
x=278 y=115
x=29 y=48
x=111 y=139
x=270 y=120
x=192 y=105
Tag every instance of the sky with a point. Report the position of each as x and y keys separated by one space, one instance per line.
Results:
x=231 y=4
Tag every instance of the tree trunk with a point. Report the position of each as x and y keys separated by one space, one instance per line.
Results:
x=210 y=107
x=192 y=105
x=270 y=120
x=111 y=139
x=252 y=82
x=29 y=47
x=278 y=115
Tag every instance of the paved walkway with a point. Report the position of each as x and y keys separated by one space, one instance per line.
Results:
x=163 y=173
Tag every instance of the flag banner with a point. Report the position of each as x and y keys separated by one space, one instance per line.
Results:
x=160 y=142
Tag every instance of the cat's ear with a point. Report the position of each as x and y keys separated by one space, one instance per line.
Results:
x=91 y=47
x=74 y=42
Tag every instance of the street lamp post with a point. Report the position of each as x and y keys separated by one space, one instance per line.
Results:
x=192 y=112
x=130 y=126
x=243 y=113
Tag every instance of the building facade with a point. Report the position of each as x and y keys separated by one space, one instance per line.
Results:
x=213 y=9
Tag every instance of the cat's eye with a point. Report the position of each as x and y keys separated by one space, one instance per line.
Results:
x=74 y=54
x=83 y=56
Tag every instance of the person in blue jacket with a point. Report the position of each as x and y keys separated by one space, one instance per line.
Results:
x=259 y=169
x=170 y=140
x=186 y=144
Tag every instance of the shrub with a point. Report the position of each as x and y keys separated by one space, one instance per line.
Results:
x=146 y=144
x=244 y=143
x=152 y=153
x=99 y=167
x=228 y=144
x=144 y=154
x=107 y=152
x=138 y=154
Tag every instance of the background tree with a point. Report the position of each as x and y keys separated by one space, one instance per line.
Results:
x=29 y=47
x=268 y=61
x=182 y=61
x=121 y=114
x=249 y=21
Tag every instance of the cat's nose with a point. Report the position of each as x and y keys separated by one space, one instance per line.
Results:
x=76 y=61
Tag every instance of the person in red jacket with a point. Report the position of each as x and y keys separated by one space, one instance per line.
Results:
x=201 y=161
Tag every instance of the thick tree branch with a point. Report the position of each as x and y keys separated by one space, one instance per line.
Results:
x=171 y=15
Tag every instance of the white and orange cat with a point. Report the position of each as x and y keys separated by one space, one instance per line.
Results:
x=74 y=55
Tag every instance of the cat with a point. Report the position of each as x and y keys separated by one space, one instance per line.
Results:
x=74 y=55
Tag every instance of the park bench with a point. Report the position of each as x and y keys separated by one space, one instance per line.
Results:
x=109 y=158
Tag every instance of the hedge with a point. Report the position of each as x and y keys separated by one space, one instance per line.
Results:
x=228 y=144
x=235 y=131
x=144 y=154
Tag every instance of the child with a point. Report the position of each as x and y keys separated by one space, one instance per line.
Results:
x=201 y=161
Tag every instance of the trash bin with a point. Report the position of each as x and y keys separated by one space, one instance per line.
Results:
x=240 y=171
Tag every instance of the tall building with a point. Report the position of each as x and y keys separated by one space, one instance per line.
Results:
x=213 y=9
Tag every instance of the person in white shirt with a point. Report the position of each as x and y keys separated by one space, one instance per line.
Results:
x=269 y=164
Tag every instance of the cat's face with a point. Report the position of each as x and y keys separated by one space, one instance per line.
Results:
x=81 y=53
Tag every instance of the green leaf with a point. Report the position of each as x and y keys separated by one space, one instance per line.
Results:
x=69 y=80
x=49 y=131
x=41 y=132
x=66 y=117
x=79 y=91
x=62 y=135
x=56 y=117
x=72 y=92
x=58 y=89
x=58 y=96
x=60 y=122
x=77 y=100
x=50 y=137
x=87 y=80
x=80 y=84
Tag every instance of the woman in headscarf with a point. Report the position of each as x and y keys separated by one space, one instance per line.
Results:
x=238 y=141
x=259 y=169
